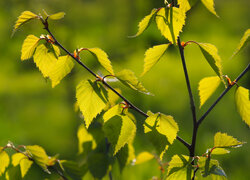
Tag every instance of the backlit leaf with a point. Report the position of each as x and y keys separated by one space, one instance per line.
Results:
x=102 y=57
x=128 y=78
x=39 y=155
x=210 y=53
x=170 y=22
x=185 y=5
x=145 y=22
x=152 y=56
x=243 y=103
x=165 y=125
x=91 y=98
x=180 y=168
x=143 y=157
x=29 y=46
x=243 y=42
x=207 y=87
x=222 y=140
x=25 y=165
x=44 y=59
x=16 y=158
x=23 y=18
x=84 y=136
x=57 y=16
x=4 y=161
x=209 y=4
x=60 y=69
x=115 y=110
x=113 y=98
x=219 y=151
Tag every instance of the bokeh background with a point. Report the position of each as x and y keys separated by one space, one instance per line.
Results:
x=31 y=112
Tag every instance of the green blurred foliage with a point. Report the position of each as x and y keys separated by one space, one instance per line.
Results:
x=31 y=112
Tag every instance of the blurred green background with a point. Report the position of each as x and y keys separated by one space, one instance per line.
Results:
x=31 y=112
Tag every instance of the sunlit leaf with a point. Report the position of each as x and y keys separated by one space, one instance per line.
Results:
x=243 y=103
x=73 y=169
x=131 y=153
x=115 y=110
x=102 y=57
x=29 y=46
x=219 y=151
x=4 y=161
x=186 y=5
x=209 y=4
x=170 y=22
x=91 y=98
x=84 y=136
x=222 y=140
x=207 y=87
x=16 y=158
x=39 y=155
x=128 y=78
x=57 y=16
x=23 y=18
x=143 y=157
x=164 y=124
x=152 y=56
x=44 y=59
x=60 y=69
x=145 y=22
x=180 y=168
x=113 y=98
x=210 y=53
x=243 y=42
x=25 y=165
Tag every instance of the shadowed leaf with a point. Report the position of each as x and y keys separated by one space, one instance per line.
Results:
x=84 y=136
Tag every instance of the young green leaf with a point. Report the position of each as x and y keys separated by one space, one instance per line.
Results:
x=29 y=46
x=4 y=161
x=23 y=161
x=128 y=78
x=113 y=98
x=165 y=125
x=206 y=88
x=243 y=42
x=144 y=23
x=180 y=168
x=44 y=59
x=91 y=98
x=39 y=155
x=210 y=53
x=210 y=168
x=222 y=140
x=152 y=56
x=102 y=57
x=143 y=157
x=170 y=22
x=209 y=4
x=115 y=110
x=186 y=5
x=243 y=103
x=219 y=151
x=61 y=68
x=23 y=18
x=120 y=130
x=84 y=136
x=57 y=16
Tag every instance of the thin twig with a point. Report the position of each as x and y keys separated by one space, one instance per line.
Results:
x=223 y=94
x=132 y=106
x=192 y=105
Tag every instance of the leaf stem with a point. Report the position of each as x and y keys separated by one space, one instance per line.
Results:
x=192 y=105
x=222 y=94
x=132 y=106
